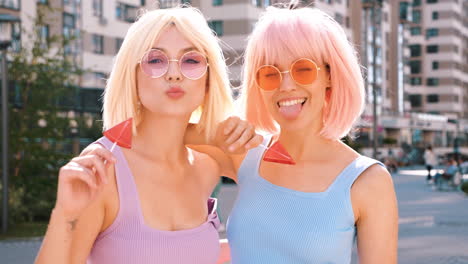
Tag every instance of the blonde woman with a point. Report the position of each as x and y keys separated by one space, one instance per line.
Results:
x=150 y=203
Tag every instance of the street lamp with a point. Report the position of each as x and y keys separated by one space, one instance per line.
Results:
x=6 y=29
x=372 y=5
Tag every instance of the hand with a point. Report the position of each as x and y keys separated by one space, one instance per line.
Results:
x=79 y=183
x=236 y=136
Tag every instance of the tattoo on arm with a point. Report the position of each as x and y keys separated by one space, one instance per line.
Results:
x=72 y=224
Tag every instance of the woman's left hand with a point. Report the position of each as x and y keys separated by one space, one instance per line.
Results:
x=236 y=136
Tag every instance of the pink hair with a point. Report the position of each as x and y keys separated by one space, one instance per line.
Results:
x=283 y=34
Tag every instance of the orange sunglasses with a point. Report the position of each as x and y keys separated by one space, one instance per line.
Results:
x=303 y=71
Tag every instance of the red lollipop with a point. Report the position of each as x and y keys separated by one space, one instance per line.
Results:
x=121 y=134
x=277 y=153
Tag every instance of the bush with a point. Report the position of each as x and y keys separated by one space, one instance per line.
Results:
x=464 y=187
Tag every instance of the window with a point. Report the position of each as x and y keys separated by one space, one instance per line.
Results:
x=416 y=2
x=415 y=100
x=432 y=32
x=68 y=28
x=68 y=20
x=118 y=44
x=416 y=81
x=432 y=98
x=217 y=2
x=257 y=3
x=432 y=49
x=415 y=50
x=432 y=81
x=431 y=1
x=435 y=15
x=128 y=13
x=98 y=44
x=44 y=2
x=44 y=35
x=435 y=65
x=415 y=67
x=66 y=2
x=415 y=31
x=217 y=27
x=12 y=4
x=417 y=16
x=97 y=8
x=339 y=18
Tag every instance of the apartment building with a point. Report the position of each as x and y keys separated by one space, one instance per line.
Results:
x=421 y=52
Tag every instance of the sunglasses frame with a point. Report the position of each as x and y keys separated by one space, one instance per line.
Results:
x=289 y=71
x=173 y=60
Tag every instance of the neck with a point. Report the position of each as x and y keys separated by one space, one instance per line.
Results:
x=306 y=144
x=161 y=137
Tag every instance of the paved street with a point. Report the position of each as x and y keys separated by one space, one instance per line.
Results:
x=433 y=225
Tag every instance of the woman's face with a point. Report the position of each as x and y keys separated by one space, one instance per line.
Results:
x=172 y=93
x=295 y=106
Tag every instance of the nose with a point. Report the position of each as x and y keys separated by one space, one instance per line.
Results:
x=287 y=83
x=173 y=71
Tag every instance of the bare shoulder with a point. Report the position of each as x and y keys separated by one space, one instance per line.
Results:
x=373 y=190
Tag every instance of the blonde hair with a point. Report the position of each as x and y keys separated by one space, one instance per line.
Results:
x=120 y=96
x=310 y=33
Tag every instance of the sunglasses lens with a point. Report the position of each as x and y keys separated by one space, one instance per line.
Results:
x=268 y=78
x=304 y=72
x=154 y=63
x=193 y=65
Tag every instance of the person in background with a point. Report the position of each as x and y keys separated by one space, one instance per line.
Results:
x=430 y=160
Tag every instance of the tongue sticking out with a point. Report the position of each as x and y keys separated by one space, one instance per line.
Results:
x=290 y=111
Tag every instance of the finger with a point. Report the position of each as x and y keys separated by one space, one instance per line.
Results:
x=241 y=127
x=254 y=142
x=101 y=151
x=246 y=136
x=230 y=124
x=94 y=162
x=73 y=171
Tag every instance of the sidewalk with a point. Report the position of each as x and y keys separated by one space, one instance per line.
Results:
x=433 y=225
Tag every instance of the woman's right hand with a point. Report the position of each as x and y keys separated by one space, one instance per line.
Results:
x=80 y=182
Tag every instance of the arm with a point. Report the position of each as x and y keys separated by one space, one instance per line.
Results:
x=78 y=214
x=373 y=196
x=228 y=148
x=225 y=254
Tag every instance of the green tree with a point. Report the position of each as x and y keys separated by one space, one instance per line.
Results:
x=41 y=128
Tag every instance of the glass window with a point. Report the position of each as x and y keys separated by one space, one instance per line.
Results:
x=417 y=16
x=432 y=32
x=432 y=81
x=415 y=31
x=415 y=100
x=432 y=49
x=217 y=27
x=217 y=2
x=97 y=8
x=435 y=65
x=431 y=1
x=415 y=50
x=416 y=2
x=432 y=98
x=416 y=81
x=118 y=44
x=98 y=44
x=435 y=15
x=415 y=66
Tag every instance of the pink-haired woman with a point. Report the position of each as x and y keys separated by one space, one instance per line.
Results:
x=303 y=84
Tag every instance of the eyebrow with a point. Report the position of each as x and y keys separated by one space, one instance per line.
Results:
x=183 y=51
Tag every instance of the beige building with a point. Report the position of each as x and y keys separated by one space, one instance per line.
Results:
x=421 y=52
